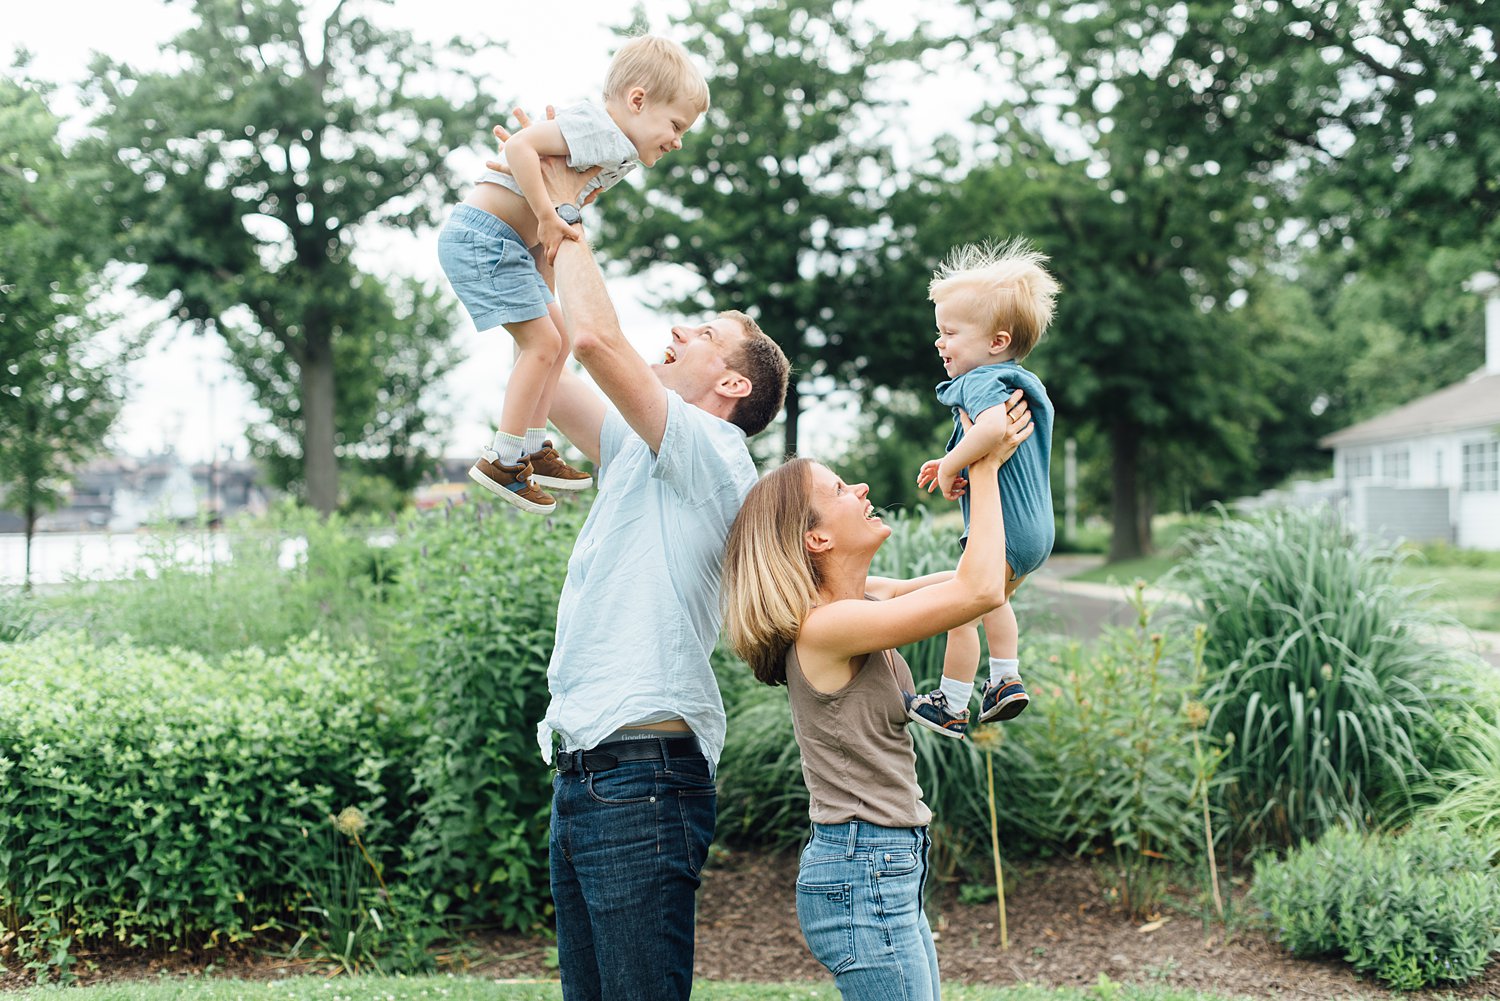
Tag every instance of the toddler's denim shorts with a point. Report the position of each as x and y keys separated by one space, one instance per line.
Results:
x=493 y=273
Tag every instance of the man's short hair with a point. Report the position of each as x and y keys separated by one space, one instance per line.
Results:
x=762 y=362
x=659 y=65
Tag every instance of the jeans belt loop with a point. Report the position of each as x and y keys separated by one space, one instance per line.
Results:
x=853 y=838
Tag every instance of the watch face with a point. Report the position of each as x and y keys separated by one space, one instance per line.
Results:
x=569 y=214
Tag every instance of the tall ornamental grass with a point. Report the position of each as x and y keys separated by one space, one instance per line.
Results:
x=157 y=798
x=1317 y=674
x=1467 y=792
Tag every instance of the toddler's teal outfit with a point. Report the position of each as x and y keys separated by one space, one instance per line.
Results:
x=1026 y=477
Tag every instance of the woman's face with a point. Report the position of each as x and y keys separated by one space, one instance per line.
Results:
x=845 y=515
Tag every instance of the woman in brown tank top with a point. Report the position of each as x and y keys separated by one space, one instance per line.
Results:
x=802 y=609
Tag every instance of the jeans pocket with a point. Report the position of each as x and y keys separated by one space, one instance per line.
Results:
x=895 y=862
x=690 y=777
x=826 y=913
x=619 y=788
x=459 y=256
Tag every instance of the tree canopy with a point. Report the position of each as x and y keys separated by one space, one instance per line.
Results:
x=59 y=393
x=244 y=178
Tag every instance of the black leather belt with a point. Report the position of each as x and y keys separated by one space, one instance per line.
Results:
x=607 y=756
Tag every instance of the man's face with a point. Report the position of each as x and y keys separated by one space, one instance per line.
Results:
x=656 y=127
x=699 y=357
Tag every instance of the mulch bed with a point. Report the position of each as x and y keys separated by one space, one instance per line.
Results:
x=1063 y=932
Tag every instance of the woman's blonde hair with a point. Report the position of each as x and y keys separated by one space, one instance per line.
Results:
x=770 y=579
x=660 y=66
x=1006 y=289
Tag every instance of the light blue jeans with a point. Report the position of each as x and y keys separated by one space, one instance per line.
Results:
x=859 y=902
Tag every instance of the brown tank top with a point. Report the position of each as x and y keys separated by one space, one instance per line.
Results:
x=857 y=756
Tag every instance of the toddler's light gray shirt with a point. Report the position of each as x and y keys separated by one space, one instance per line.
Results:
x=594 y=140
x=639 y=613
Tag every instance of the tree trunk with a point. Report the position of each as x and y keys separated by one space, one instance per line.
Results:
x=30 y=516
x=793 y=413
x=1130 y=513
x=319 y=462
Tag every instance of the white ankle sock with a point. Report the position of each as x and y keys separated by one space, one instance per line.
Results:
x=535 y=438
x=958 y=693
x=1004 y=670
x=508 y=446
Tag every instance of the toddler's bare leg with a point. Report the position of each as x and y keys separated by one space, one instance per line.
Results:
x=539 y=347
x=538 y=417
x=961 y=659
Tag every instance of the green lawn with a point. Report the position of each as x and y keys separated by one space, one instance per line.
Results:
x=1468 y=593
x=448 y=988
x=1127 y=572
x=1460 y=583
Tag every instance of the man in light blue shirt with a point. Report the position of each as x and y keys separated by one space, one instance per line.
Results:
x=634 y=701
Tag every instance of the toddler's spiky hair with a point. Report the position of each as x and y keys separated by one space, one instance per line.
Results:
x=1006 y=288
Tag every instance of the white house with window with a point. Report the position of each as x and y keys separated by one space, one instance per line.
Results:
x=1430 y=469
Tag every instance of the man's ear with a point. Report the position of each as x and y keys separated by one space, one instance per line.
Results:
x=636 y=99
x=1000 y=342
x=733 y=385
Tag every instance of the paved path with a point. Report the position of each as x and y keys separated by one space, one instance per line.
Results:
x=1080 y=610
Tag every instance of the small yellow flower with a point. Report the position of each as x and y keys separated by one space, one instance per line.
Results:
x=986 y=736
x=350 y=821
x=1327 y=672
x=1197 y=715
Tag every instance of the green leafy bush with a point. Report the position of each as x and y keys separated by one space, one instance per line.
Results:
x=1318 y=674
x=477 y=600
x=158 y=797
x=286 y=576
x=17 y=613
x=1416 y=910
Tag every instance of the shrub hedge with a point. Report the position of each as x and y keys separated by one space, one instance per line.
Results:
x=1415 y=910
x=476 y=598
x=156 y=797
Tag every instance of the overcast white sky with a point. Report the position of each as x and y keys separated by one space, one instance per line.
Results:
x=184 y=395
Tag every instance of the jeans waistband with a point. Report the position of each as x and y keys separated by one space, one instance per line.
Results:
x=861 y=832
x=608 y=756
x=470 y=217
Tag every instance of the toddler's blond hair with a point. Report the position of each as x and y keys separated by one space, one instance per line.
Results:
x=1006 y=286
x=661 y=67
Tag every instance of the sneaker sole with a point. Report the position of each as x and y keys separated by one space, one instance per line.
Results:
x=509 y=496
x=935 y=728
x=553 y=483
x=1007 y=708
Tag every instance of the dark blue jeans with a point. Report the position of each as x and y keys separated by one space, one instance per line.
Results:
x=627 y=846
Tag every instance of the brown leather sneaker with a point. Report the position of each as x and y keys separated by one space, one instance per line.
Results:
x=513 y=485
x=549 y=470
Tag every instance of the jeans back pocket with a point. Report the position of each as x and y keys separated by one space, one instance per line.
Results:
x=826 y=913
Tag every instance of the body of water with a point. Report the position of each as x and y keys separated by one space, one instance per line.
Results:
x=60 y=557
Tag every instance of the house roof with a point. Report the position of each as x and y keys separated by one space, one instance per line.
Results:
x=1472 y=404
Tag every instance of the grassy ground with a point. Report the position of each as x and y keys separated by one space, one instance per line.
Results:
x=1462 y=583
x=474 y=989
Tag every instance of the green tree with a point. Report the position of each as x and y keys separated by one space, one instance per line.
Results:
x=59 y=393
x=242 y=177
x=771 y=201
x=383 y=421
x=1367 y=131
x=1144 y=348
